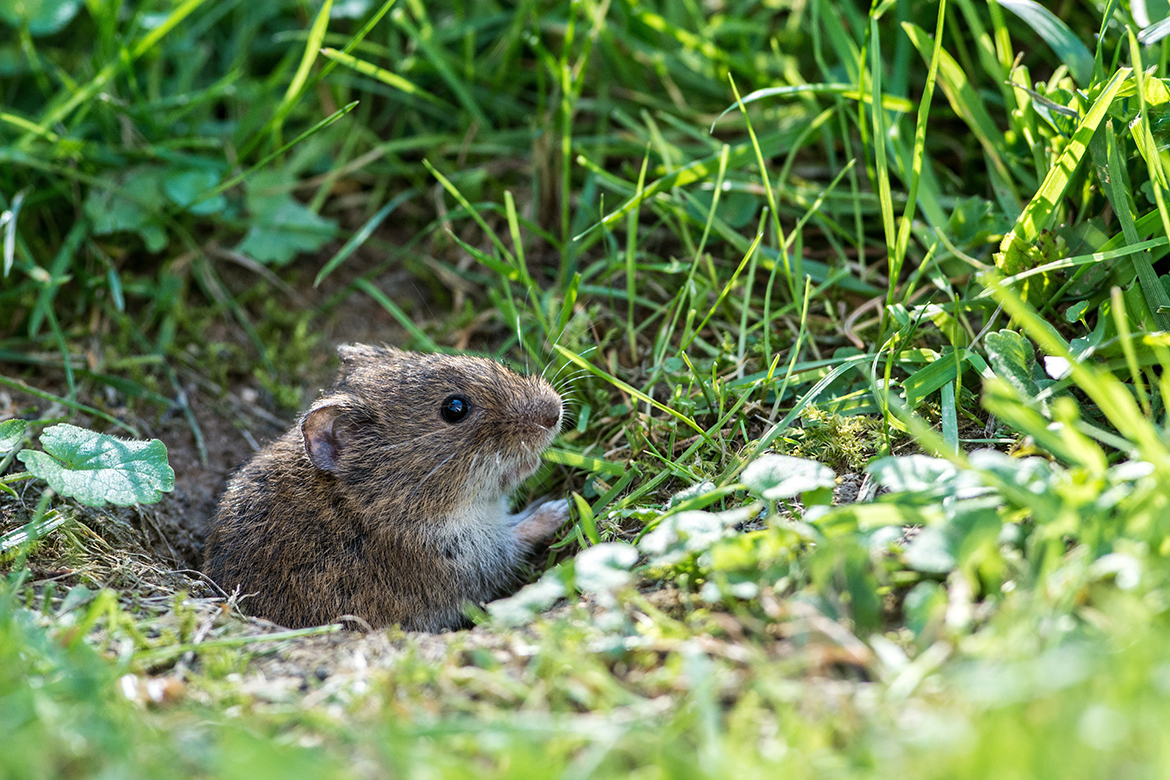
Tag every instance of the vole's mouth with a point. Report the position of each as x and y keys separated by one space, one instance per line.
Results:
x=518 y=471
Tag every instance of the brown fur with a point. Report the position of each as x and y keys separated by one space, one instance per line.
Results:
x=375 y=506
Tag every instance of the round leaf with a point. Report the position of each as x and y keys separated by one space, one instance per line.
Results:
x=183 y=187
x=525 y=604
x=774 y=477
x=912 y=473
x=95 y=468
x=605 y=567
x=930 y=551
x=680 y=535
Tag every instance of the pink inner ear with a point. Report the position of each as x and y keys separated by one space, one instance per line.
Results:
x=321 y=432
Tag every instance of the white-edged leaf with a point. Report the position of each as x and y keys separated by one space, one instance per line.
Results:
x=774 y=477
x=929 y=551
x=912 y=473
x=678 y=536
x=1154 y=33
x=11 y=435
x=97 y=469
x=605 y=567
x=523 y=607
x=33 y=531
x=694 y=491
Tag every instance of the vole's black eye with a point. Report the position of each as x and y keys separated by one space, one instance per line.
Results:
x=455 y=408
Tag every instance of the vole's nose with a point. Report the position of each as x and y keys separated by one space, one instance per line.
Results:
x=547 y=413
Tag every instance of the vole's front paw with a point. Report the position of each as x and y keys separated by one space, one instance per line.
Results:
x=540 y=522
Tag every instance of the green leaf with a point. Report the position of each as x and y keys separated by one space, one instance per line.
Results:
x=95 y=468
x=1013 y=358
x=43 y=17
x=586 y=519
x=913 y=473
x=1068 y=47
x=11 y=434
x=925 y=604
x=186 y=187
x=930 y=551
x=843 y=567
x=282 y=226
x=132 y=206
x=1076 y=311
x=773 y=477
x=1019 y=258
x=1057 y=107
x=975 y=221
x=967 y=538
x=752 y=552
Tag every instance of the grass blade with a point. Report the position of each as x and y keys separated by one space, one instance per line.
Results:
x=98 y=82
x=1041 y=208
x=8 y=221
x=1056 y=34
x=388 y=78
x=295 y=87
x=1152 y=290
x=634 y=392
x=239 y=177
x=366 y=286
x=363 y=233
x=968 y=104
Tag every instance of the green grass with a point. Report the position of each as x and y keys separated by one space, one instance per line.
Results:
x=816 y=230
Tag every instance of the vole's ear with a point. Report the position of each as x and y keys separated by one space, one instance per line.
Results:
x=325 y=434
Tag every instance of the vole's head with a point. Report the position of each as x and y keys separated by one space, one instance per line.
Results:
x=408 y=434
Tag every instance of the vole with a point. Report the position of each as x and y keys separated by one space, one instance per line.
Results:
x=388 y=500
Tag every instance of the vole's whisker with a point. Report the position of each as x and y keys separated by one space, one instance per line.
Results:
x=520 y=340
x=553 y=379
x=551 y=346
x=430 y=474
x=414 y=440
x=572 y=377
x=576 y=372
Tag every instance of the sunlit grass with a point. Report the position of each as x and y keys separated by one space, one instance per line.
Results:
x=726 y=233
